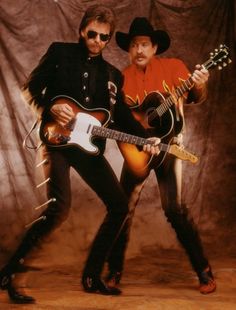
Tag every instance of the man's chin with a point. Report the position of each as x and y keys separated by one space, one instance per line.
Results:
x=140 y=64
x=95 y=52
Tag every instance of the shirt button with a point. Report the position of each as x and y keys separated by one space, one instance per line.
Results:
x=87 y=99
x=85 y=74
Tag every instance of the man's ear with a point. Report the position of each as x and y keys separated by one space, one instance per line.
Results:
x=155 y=46
x=82 y=34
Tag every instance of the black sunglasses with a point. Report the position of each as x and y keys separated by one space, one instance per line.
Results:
x=93 y=34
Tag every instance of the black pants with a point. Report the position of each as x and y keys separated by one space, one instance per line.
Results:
x=97 y=173
x=168 y=176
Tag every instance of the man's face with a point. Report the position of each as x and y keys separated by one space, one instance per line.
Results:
x=141 y=51
x=96 y=36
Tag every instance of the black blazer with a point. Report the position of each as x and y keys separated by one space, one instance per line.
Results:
x=66 y=69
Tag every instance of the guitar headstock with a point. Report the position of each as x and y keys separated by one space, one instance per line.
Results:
x=219 y=58
x=182 y=153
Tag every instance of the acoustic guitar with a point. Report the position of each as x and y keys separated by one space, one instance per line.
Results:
x=158 y=115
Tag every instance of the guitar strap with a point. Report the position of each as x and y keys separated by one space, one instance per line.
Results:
x=27 y=137
x=112 y=94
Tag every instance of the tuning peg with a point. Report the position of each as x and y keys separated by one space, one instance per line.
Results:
x=229 y=61
x=224 y=64
x=221 y=45
x=220 y=68
x=216 y=50
x=211 y=54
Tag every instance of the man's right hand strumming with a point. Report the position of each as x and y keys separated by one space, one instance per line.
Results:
x=62 y=113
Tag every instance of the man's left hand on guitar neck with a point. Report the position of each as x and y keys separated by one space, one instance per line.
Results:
x=199 y=91
x=153 y=147
x=200 y=76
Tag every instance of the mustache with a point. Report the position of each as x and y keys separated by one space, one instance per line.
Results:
x=140 y=55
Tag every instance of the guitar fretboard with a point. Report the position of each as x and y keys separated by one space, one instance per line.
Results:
x=108 y=133
x=188 y=84
x=169 y=101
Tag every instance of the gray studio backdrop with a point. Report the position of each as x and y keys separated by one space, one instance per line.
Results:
x=196 y=28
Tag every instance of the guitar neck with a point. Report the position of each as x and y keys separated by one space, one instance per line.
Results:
x=188 y=84
x=108 y=133
x=179 y=91
x=184 y=87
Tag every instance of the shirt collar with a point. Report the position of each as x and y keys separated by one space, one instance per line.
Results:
x=84 y=53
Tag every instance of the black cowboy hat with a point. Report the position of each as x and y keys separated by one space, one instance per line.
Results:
x=140 y=26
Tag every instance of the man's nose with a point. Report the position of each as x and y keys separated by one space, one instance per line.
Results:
x=139 y=49
x=97 y=38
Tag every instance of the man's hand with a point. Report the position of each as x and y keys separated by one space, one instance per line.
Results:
x=153 y=147
x=200 y=76
x=62 y=113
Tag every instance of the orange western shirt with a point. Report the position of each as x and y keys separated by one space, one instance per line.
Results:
x=162 y=74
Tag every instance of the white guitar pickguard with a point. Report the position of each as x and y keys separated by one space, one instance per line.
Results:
x=81 y=133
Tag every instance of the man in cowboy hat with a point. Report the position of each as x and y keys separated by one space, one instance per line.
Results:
x=145 y=80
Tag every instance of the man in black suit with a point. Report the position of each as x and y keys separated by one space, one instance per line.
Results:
x=77 y=71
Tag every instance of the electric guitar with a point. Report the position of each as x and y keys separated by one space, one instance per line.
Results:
x=90 y=123
x=158 y=114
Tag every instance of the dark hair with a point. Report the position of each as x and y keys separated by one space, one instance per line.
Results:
x=100 y=13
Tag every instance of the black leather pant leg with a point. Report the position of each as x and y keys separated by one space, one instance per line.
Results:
x=169 y=178
x=132 y=187
x=57 y=169
x=98 y=174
